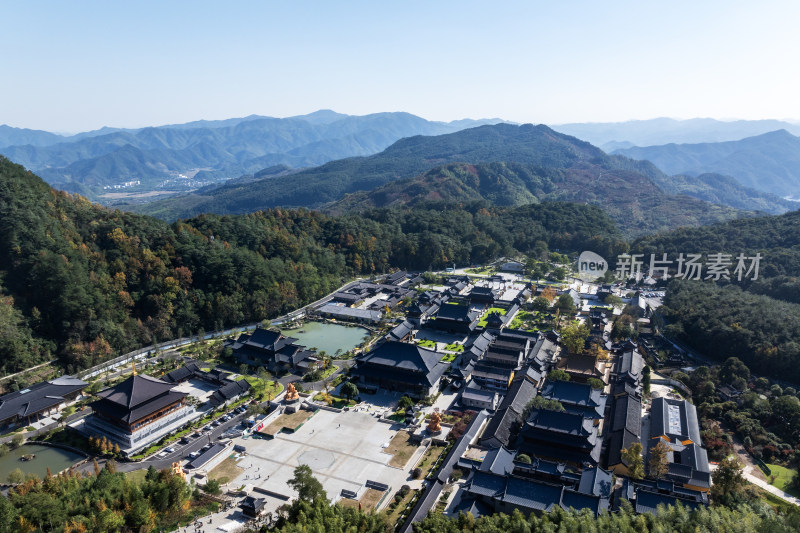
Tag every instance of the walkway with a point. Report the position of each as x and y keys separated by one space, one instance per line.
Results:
x=785 y=496
x=769 y=488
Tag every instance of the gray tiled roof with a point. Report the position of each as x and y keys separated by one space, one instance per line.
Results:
x=135 y=390
x=498 y=461
x=577 y=397
x=683 y=415
x=38 y=397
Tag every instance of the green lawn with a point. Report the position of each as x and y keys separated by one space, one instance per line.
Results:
x=425 y=343
x=137 y=476
x=336 y=401
x=783 y=476
x=482 y=321
x=449 y=358
x=262 y=390
x=455 y=347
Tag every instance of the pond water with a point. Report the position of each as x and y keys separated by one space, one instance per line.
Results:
x=328 y=337
x=56 y=458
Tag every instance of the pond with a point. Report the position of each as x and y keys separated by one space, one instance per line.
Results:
x=328 y=337
x=56 y=458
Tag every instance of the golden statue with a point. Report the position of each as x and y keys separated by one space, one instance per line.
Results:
x=291 y=393
x=435 y=423
x=178 y=471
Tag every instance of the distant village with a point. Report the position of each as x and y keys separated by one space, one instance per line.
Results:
x=475 y=366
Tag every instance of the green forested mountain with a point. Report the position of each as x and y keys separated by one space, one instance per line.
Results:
x=565 y=167
x=727 y=322
x=83 y=282
x=217 y=149
x=756 y=321
x=629 y=197
x=724 y=190
x=769 y=162
x=776 y=237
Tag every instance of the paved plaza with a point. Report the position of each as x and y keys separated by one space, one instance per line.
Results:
x=198 y=388
x=344 y=450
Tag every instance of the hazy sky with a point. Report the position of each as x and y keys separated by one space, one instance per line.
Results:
x=73 y=66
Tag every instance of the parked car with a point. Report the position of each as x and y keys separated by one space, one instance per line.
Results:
x=193 y=455
x=169 y=449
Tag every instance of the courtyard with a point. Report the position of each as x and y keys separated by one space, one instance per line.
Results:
x=344 y=450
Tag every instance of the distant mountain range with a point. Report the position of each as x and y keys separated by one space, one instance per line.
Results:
x=179 y=157
x=769 y=162
x=612 y=136
x=501 y=164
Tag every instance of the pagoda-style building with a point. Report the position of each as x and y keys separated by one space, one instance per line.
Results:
x=138 y=411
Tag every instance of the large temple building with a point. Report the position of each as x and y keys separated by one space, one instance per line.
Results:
x=138 y=411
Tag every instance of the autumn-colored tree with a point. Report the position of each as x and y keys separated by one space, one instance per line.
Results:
x=549 y=294
x=658 y=463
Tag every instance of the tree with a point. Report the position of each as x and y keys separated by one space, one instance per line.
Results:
x=349 y=390
x=739 y=384
x=308 y=488
x=17 y=440
x=574 y=335
x=733 y=368
x=549 y=294
x=728 y=480
x=596 y=383
x=622 y=327
x=244 y=369
x=405 y=403
x=646 y=380
x=632 y=456
x=541 y=304
x=558 y=375
x=658 y=463
x=558 y=273
x=523 y=458
x=566 y=304
x=212 y=487
x=540 y=402
x=613 y=300
x=16 y=476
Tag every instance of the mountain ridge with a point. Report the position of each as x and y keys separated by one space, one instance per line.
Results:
x=531 y=163
x=243 y=145
x=769 y=162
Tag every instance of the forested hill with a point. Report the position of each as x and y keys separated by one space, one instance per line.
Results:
x=574 y=164
x=629 y=197
x=84 y=283
x=757 y=321
x=776 y=237
x=406 y=158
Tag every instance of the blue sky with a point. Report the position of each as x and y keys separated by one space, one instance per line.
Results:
x=73 y=66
